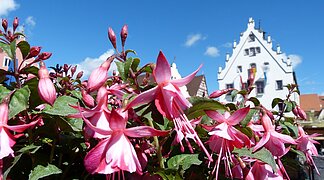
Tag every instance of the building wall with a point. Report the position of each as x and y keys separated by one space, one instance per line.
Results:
x=271 y=66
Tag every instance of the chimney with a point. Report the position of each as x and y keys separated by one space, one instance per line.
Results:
x=278 y=49
x=234 y=44
x=269 y=39
x=227 y=57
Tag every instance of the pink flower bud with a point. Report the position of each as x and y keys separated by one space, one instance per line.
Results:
x=87 y=99
x=112 y=37
x=99 y=76
x=219 y=93
x=295 y=111
x=301 y=113
x=15 y=24
x=34 y=51
x=66 y=68
x=46 y=89
x=44 y=55
x=73 y=69
x=5 y=24
x=123 y=34
x=79 y=75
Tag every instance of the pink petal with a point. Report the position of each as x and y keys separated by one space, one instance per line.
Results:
x=238 y=116
x=162 y=70
x=185 y=80
x=284 y=138
x=121 y=154
x=216 y=116
x=6 y=143
x=208 y=128
x=144 y=131
x=144 y=97
x=22 y=127
x=222 y=131
x=95 y=157
x=117 y=119
x=265 y=139
x=240 y=139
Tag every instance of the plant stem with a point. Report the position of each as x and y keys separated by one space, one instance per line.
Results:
x=158 y=147
x=52 y=151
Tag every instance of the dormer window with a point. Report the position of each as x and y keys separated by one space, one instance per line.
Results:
x=259 y=87
x=246 y=52
x=239 y=69
x=251 y=38
x=258 y=50
x=252 y=51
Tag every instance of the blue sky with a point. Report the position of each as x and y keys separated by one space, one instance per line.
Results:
x=189 y=33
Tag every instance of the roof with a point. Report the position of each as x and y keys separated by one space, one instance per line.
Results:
x=194 y=85
x=309 y=102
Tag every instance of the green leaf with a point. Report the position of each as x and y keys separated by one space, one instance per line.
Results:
x=70 y=124
x=234 y=93
x=29 y=149
x=200 y=104
x=32 y=70
x=183 y=160
x=291 y=128
x=3 y=92
x=135 y=64
x=19 y=101
x=121 y=69
x=130 y=51
x=24 y=48
x=127 y=67
x=6 y=48
x=41 y=171
x=248 y=117
x=13 y=46
x=263 y=155
x=77 y=94
x=16 y=159
x=62 y=106
x=169 y=174
x=255 y=101
x=289 y=106
x=275 y=101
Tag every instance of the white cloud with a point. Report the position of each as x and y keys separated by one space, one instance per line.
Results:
x=89 y=64
x=212 y=51
x=295 y=60
x=228 y=45
x=6 y=6
x=193 y=38
x=30 y=21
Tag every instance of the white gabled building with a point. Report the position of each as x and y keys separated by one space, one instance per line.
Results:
x=273 y=68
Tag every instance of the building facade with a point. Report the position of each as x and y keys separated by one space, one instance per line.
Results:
x=254 y=53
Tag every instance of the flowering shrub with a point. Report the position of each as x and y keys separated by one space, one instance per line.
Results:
x=136 y=124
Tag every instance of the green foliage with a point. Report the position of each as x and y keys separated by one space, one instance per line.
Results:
x=19 y=101
x=184 y=161
x=24 y=48
x=249 y=116
x=62 y=106
x=200 y=105
x=41 y=171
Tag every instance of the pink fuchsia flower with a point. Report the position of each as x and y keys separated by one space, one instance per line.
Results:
x=46 y=89
x=224 y=136
x=99 y=76
x=219 y=93
x=305 y=143
x=7 y=140
x=272 y=140
x=170 y=102
x=87 y=98
x=261 y=170
x=117 y=153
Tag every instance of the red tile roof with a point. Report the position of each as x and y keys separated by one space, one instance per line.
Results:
x=309 y=102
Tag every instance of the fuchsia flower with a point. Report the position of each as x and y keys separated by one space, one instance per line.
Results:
x=7 y=140
x=271 y=139
x=261 y=170
x=116 y=153
x=224 y=136
x=306 y=145
x=99 y=76
x=46 y=89
x=170 y=102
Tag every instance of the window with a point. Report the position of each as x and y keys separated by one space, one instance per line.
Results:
x=229 y=85
x=239 y=69
x=279 y=85
x=259 y=87
x=281 y=106
x=246 y=52
x=252 y=51
x=258 y=50
x=6 y=61
x=251 y=38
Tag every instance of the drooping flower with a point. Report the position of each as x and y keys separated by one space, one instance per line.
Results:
x=99 y=76
x=117 y=153
x=261 y=170
x=7 y=140
x=305 y=143
x=271 y=139
x=224 y=136
x=46 y=89
x=170 y=102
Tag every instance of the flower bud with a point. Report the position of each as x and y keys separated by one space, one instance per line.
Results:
x=99 y=76
x=123 y=34
x=301 y=113
x=79 y=75
x=44 y=55
x=46 y=89
x=66 y=68
x=295 y=111
x=112 y=37
x=219 y=93
x=15 y=24
x=73 y=69
x=87 y=99
x=34 y=51
x=5 y=24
